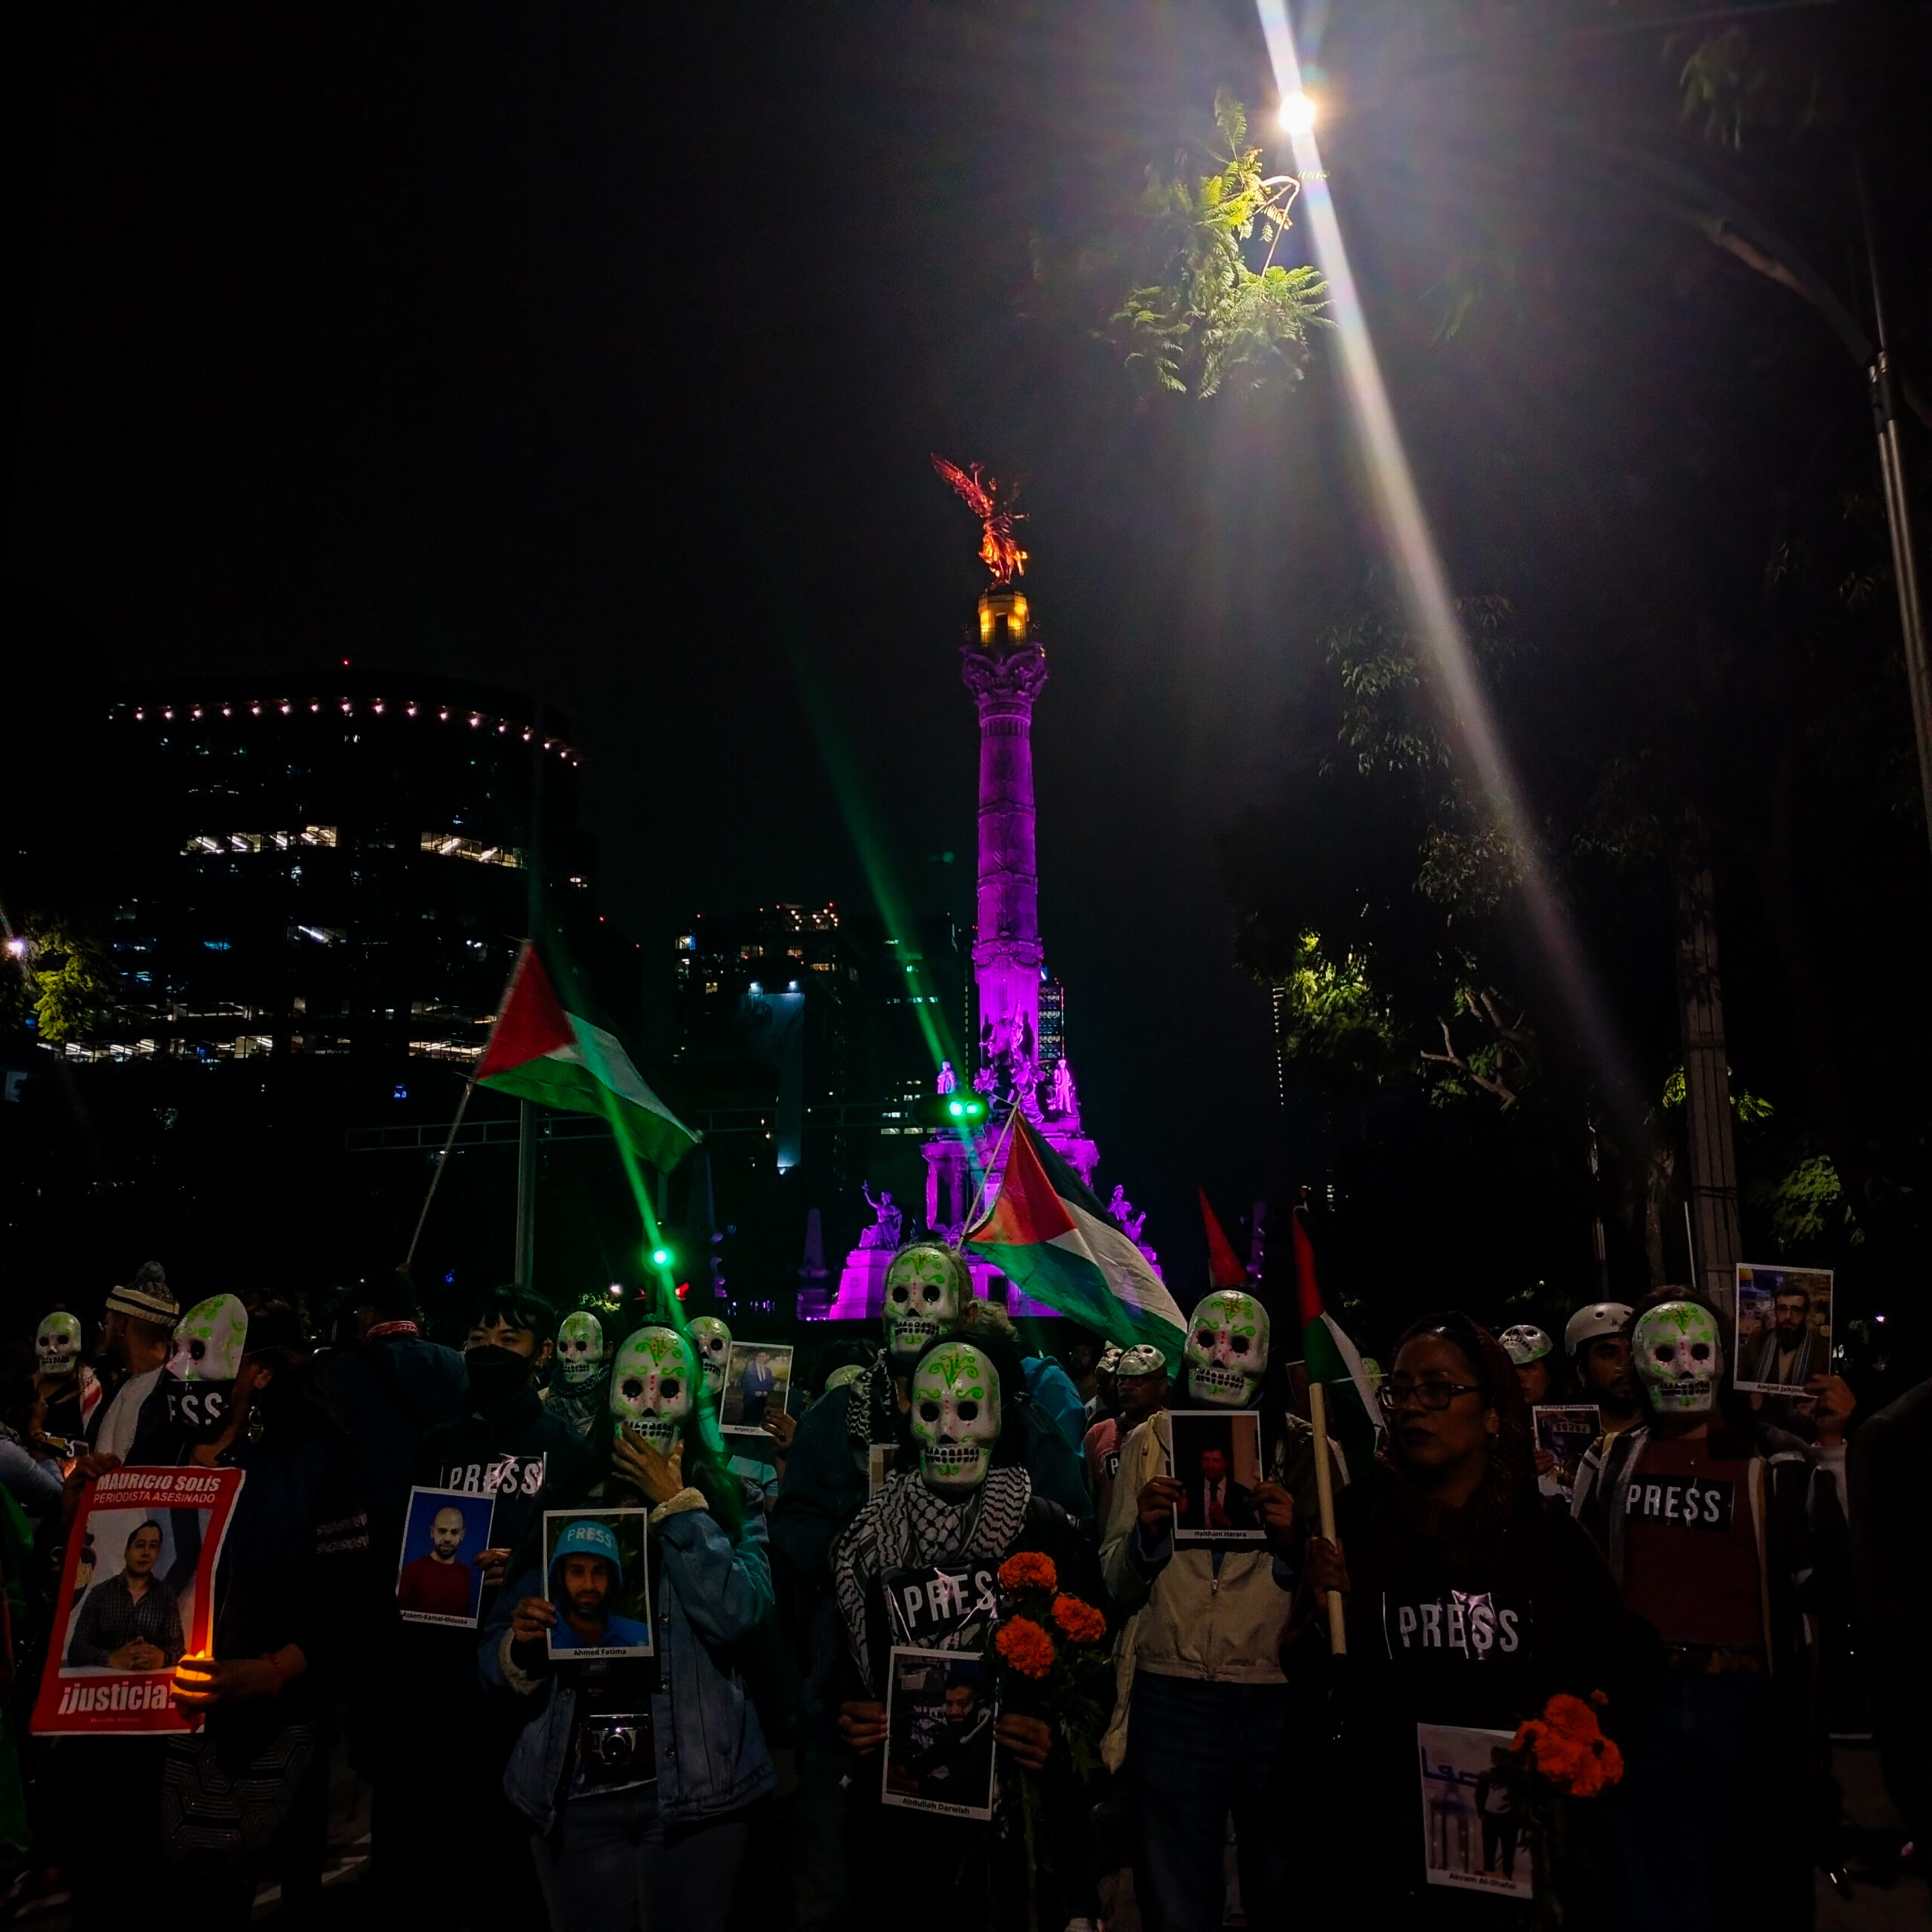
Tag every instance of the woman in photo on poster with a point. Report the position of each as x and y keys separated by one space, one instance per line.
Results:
x=968 y=1498
x=1469 y=1599
x=637 y=1774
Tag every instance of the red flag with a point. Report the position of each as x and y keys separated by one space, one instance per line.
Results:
x=1223 y=1270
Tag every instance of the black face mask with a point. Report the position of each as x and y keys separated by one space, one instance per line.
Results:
x=199 y=1410
x=497 y=1376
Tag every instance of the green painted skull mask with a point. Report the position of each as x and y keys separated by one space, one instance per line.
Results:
x=1679 y=1355
x=580 y=1349
x=955 y=1417
x=712 y=1340
x=57 y=1343
x=653 y=1383
x=924 y=1289
x=208 y=1341
x=1227 y=1350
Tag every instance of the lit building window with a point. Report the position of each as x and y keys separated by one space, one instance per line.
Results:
x=453 y=845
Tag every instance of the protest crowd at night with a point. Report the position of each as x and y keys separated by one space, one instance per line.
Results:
x=685 y=681
x=1023 y=1635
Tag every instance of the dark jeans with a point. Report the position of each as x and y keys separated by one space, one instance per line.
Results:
x=1196 y=1752
x=612 y=1866
x=1712 y=1818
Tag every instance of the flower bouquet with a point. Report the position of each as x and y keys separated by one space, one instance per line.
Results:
x=1557 y=1761
x=1055 y=1664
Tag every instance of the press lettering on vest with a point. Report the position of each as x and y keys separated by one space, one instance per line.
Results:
x=1468 y=1624
x=1682 y=1502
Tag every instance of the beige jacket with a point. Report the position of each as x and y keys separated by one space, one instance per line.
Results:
x=1191 y=1623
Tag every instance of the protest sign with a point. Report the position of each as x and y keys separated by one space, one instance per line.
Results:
x=1783 y=1328
x=1216 y=1455
x=1472 y=1838
x=597 y=1579
x=1564 y=1430
x=756 y=1383
x=437 y=1579
x=940 y=1713
x=136 y=1596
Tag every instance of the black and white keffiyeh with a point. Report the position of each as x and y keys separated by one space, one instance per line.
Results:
x=907 y=1526
x=871 y=1407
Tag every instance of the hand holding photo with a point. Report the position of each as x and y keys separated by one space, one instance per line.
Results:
x=1472 y=1838
x=1784 y=1332
x=940 y=1712
x=439 y=1577
x=1215 y=1457
x=756 y=1384
x=598 y=1583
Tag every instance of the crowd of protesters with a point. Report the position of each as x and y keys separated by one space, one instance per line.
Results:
x=697 y=1730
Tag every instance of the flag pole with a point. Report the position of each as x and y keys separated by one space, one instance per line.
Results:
x=1325 y=1498
x=972 y=1212
x=442 y=1160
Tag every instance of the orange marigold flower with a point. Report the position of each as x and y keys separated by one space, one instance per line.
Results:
x=1029 y=1570
x=1025 y=1645
x=1081 y=1621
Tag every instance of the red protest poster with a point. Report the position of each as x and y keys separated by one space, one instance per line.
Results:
x=137 y=1595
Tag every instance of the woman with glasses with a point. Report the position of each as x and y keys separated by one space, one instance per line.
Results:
x=1469 y=1599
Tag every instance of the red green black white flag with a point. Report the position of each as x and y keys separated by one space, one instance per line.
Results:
x=1046 y=1231
x=539 y=1052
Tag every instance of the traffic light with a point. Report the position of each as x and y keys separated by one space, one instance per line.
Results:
x=660 y=1256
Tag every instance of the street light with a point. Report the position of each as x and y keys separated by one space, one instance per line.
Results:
x=1298 y=113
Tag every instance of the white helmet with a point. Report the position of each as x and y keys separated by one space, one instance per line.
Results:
x=1600 y=1318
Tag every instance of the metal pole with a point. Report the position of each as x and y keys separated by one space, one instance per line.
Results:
x=526 y=1119
x=1898 y=514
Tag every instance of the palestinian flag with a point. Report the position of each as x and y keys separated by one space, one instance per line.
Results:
x=1224 y=1270
x=1330 y=1358
x=1047 y=1232
x=539 y=1052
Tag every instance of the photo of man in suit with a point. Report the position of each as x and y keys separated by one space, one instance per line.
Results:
x=1214 y=1501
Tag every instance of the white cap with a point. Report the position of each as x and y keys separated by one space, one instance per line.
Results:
x=1600 y=1318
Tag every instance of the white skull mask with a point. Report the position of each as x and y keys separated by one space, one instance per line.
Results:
x=922 y=1297
x=579 y=1349
x=652 y=1386
x=1227 y=1349
x=57 y=1344
x=712 y=1341
x=208 y=1341
x=1679 y=1357
x=955 y=1417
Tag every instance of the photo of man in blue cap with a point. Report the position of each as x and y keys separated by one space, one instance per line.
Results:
x=586 y=1573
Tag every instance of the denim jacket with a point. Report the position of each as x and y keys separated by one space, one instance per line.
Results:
x=711 y=1754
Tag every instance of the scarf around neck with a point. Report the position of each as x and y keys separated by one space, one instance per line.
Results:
x=906 y=1526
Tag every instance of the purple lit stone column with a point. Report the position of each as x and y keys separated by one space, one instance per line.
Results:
x=1004 y=668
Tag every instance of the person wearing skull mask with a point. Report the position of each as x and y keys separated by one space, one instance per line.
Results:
x=1208 y=1699
x=1727 y=1536
x=578 y=1394
x=968 y=1500
x=72 y=1389
x=241 y=1391
x=928 y=1294
x=634 y=1777
x=1469 y=1599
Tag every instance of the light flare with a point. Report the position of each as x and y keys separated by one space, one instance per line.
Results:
x=1425 y=592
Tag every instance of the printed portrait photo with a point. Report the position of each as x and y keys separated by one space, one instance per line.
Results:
x=437 y=1579
x=1784 y=1328
x=939 y=1715
x=594 y=1560
x=134 y=1597
x=1217 y=1461
x=1564 y=1432
x=757 y=1381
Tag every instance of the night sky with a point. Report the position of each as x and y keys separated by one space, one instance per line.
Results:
x=599 y=353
